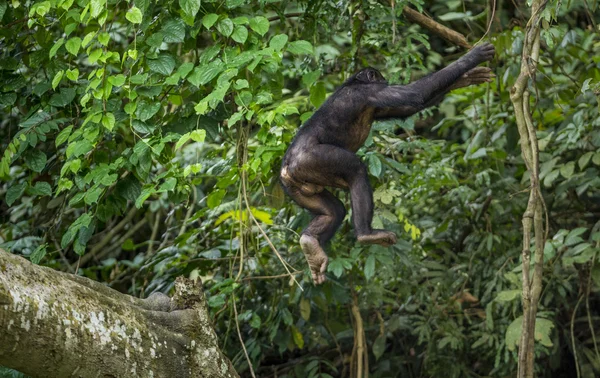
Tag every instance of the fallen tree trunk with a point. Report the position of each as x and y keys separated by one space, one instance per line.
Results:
x=54 y=324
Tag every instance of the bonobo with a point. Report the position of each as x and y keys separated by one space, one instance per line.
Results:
x=323 y=151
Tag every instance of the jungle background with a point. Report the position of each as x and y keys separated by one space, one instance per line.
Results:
x=142 y=140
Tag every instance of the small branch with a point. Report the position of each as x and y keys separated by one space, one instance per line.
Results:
x=288 y=15
x=448 y=34
x=237 y=325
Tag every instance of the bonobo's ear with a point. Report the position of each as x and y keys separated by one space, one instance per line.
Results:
x=370 y=75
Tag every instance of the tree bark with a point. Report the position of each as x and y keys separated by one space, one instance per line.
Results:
x=54 y=324
x=532 y=217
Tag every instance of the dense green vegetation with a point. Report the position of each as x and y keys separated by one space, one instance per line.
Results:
x=142 y=140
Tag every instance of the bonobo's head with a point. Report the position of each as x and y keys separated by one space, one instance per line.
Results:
x=368 y=75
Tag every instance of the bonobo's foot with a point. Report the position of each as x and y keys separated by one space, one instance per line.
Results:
x=381 y=237
x=316 y=257
x=483 y=52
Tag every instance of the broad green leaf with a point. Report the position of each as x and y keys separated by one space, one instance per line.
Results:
x=73 y=45
x=35 y=160
x=297 y=336
x=63 y=135
x=240 y=34
x=596 y=158
x=134 y=15
x=317 y=94
x=3 y=7
x=63 y=98
x=198 y=135
x=369 y=267
x=374 y=165
x=144 y=195
x=41 y=188
x=379 y=346
x=173 y=30
x=104 y=38
x=209 y=20
x=278 y=42
x=567 y=170
x=260 y=25
x=145 y=110
x=55 y=47
x=108 y=121
x=39 y=253
x=185 y=69
x=57 y=78
x=190 y=7
x=15 y=192
x=305 y=309
x=117 y=80
x=300 y=47
x=225 y=27
x=508 y=295
x=73 y=74
x=164 y=64
x=87 y=39
x=203 y=74
x=585 y=159
x=96 y=7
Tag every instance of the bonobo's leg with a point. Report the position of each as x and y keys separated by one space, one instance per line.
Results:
x=329 y=165
x=328 y=214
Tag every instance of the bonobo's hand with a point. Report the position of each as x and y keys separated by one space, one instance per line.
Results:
x=482 y=53
x=477 y=75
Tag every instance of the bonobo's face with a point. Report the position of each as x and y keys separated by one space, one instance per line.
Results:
x=370 y=75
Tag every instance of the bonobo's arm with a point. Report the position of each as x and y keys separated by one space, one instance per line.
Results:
x=395 y=101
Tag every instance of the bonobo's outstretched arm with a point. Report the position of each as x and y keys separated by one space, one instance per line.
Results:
x=397 y=101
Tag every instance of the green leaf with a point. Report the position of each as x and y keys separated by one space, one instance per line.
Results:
x=317 y=94
x=508 y=295
x=240 y=34
x=134 y=15
x=305 y=309
x=41 y=188
x=164 y=64
x=567 y=170
x=205 y=73
x=260 y=25
x=144 y=195
x=278 y=42
x=35 y=160
x=190 y=7
x=374 y=165
x=215 y=197
x=209 y=20
x=370 y=267
x=55 y=47
x=585 y=159
x=37 y=255
x=185 y=69
x=300 y=47
x=379 y=346
x=87 y=39
x=104 y=38
x=297 y=336
x=63 y=135
x=225 y=27
x=96 y=7
x=63 y=98
x=117 y=80
x=73 y=74
x=3 y=7
x=14 y=192
x=173 y=30
x=198 y=135
x=57 y=78
x=108 y=120
x=73 y=45
x=145 y=110
x=596 y=158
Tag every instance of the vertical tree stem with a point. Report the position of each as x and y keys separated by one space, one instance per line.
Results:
x=532 y=217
